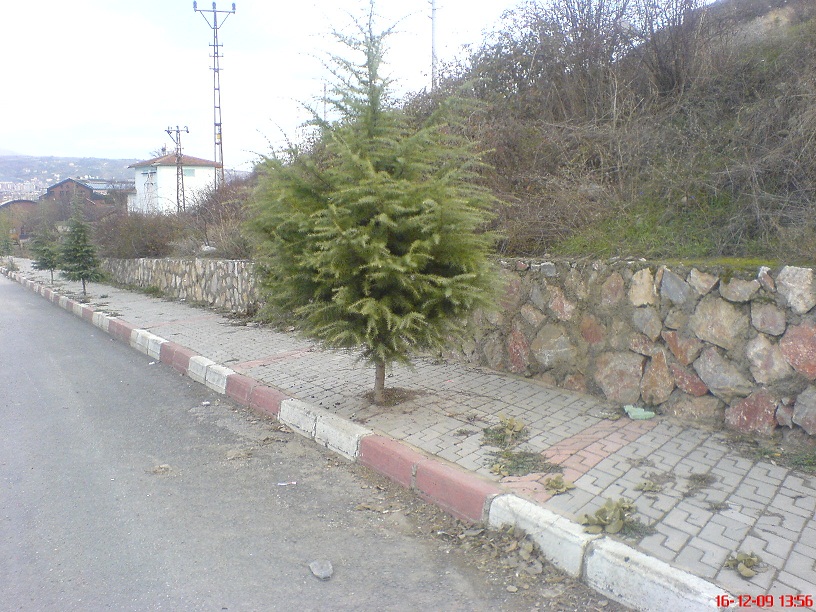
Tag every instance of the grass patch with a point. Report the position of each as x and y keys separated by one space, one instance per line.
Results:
x=804 y=461
x=521 y=463
x=648 y=229
x=797 y=458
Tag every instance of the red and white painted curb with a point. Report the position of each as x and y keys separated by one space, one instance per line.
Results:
x=610 y=567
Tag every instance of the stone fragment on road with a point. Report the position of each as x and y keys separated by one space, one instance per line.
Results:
x=322 y=569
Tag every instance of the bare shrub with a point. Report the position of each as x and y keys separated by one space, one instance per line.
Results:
x=216 y=220
x=135 y=235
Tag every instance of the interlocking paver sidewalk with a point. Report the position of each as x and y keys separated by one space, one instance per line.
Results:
x=713 y=502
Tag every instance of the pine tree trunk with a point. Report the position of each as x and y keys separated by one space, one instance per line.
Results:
x=379 y=383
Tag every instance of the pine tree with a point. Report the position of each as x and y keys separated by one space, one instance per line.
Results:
x=6 y=244
x=373 y=236
x=46 y=251
x=78 y=258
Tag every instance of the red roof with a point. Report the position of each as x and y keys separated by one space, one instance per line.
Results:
x=170 y=160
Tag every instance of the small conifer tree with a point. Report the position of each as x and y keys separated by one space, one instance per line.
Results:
x=6 y=244
x=372 y=236
x=46 y=252
x=78 y=257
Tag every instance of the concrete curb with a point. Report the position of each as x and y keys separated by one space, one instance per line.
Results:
x=610 y=567
x=563 y=542
x=625 y=574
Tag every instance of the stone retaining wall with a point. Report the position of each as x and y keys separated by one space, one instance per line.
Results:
x=702 y=345
x=227 y=285
x=706 y=345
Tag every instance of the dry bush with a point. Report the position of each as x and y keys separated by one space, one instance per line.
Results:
x=216 y=220
x=137 y=235
x=682 y=118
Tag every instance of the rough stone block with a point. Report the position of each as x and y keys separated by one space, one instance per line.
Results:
x=718 y=322
x=798 y=346
x=619 y=375
x=754 y=414
x=797 y=287
x=738 y=290
x=722 y=377
x=804 y=410
x=642 y=291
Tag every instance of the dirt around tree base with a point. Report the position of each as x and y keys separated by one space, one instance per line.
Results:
x=393 y=396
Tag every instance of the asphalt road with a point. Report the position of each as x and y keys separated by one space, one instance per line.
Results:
x=122 y=489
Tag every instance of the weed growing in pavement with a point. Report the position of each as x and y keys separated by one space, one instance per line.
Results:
x=153 y=291
x=635 y=529
x=557 y=485
x=463 y=432
x=649 y=486
x=509 y=432
x=520 y=463
x=795 y=457
x=804 y=461
x=508 y=462
x=747 y=564
x=609 y=518
x=698 y=482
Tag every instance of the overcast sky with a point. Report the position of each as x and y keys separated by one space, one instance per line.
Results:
x=105 y=78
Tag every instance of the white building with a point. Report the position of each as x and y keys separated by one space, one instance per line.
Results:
x=157 y=183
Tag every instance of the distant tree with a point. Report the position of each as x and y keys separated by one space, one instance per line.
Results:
x=46 y=250
x=371 y=236
x=79 y=261
x=6 y=243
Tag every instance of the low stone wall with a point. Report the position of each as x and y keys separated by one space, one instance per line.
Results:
x=707 y=345
x=702 y=345
x=226 y=285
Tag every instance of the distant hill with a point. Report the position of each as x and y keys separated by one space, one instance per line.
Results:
x=22 y=168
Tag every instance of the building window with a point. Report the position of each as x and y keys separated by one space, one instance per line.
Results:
x=189 y=172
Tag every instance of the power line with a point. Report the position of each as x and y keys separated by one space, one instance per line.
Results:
x=216 y=68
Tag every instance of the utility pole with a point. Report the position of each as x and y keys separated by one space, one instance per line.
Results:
x=433 y=45
x=216 y=68
x=175 y=135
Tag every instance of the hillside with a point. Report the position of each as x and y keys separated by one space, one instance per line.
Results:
x=678 y=130
x=40 y=172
